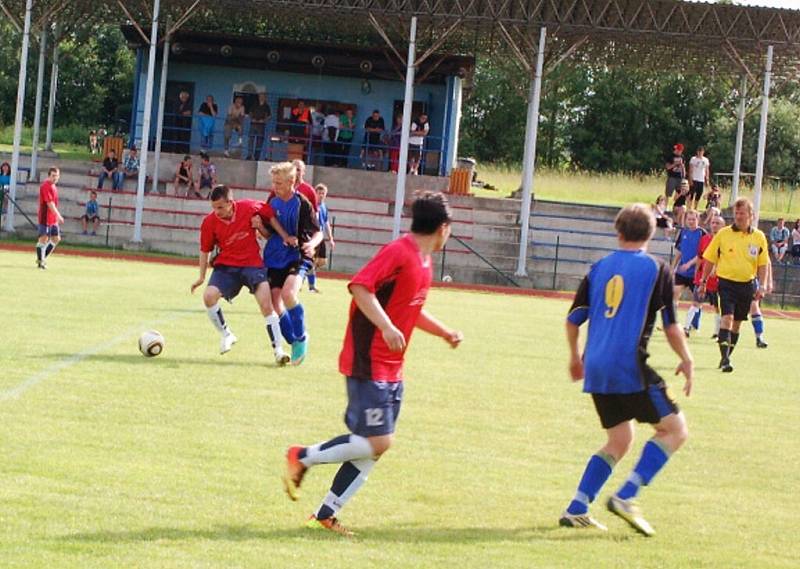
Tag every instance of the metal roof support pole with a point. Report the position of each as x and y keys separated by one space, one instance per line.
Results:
x=408 y=98
x=37 y=116
x=148 y=111
x=762 y=138
x=455 y=125
x=162 y=92
x=51 y=103
x=737 y=158
x=23 y=72
x=529 y=158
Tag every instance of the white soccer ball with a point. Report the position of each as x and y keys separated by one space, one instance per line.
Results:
x=447 y=279
x=151 y=343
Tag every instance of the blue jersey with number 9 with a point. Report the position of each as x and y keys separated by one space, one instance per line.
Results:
x=620 y=297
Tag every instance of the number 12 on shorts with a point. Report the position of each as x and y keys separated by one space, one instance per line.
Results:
x=373 y=417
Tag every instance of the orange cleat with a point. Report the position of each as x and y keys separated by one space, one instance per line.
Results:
x=295 y=470
x=330 y=524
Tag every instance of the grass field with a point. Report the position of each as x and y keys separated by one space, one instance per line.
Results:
x=113 y=460
x=620 y=189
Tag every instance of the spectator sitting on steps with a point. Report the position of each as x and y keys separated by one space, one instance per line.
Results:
x=130 y=167
x=779 y=237
x=110 y=169
x=208 y=176
x=92 y=214
x=184 y=179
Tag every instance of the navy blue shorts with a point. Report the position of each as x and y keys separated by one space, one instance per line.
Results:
x=49 y=230
x=230 y=280
x=277 y=277
x=372 y=406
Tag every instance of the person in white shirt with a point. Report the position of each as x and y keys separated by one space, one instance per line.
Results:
x=419 y=130
x=699 y=172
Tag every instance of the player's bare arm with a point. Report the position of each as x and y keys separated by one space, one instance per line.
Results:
x=677 y=341
x=54 y=209
x=203 y=264
x=432 y=325
x=763 y=276
x=368 y=304
x=575 y=361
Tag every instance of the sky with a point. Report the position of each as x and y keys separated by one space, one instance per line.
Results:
x=793 y=4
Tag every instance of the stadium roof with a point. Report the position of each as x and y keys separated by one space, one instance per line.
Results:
x=658 y=34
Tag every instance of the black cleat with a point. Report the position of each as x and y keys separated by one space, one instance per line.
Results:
x=761 y=343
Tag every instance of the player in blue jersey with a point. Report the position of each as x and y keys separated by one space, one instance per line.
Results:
x=685 y=265
x=321 y=254
x=287 y=266
x=620 y=297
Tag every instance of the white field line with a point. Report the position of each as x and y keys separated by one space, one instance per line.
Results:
x=78 y=357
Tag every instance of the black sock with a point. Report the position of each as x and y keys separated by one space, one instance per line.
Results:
x=724 y=342
x=49 y=249
x=734 y=339
x=39 y=253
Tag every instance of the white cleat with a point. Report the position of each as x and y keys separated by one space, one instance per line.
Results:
x=282 y=358
x=227 y=341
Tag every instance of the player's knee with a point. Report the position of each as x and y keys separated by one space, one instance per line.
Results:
x=380 y=445
x=55 y=239
x=210 y=297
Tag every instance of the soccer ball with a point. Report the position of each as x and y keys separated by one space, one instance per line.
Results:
x=447 y=279
x=151 y=343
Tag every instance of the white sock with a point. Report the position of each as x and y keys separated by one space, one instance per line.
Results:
x=217 y=319
x=340 y=449
x=336 y=502
x=689 y=317
x=274 y=332
x=717 y=322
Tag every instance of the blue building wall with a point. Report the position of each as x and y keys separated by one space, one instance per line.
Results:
x=220 y=81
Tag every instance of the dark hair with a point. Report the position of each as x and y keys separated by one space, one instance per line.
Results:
x=52 y=169
x=635 y=222
x=220 y=192
x=93 y=193
x=203 y=156
x=5 y=165
x=429 y=212
x=186 y=157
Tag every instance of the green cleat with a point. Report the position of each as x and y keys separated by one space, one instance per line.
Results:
x=580 y=521
x=629 y=511
x=329 y=524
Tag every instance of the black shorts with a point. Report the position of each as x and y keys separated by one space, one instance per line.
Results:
x=735 y=298
x=649 y=406
x=662 y=222
x=414 y=152
x=277 y=277
x=696 y=191
x=712 y=298
x=90 y=217
x=681 y=280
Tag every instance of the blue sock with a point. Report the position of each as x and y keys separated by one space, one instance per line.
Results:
x=696 y=320
x=653 y=459
x=312 y=280
x=297 y=314
x=597 y=472
x=285 y=322
x=758 y=324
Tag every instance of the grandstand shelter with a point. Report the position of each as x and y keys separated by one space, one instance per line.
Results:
x=749 y=48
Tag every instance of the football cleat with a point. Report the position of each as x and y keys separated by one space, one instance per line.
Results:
x=581 y=521
x=282 y=358
x=299 y=351
x=330 y=524
x=227 y=341
x=761 y=343
x=295 y=471
x=629 y=511
x=687 y=332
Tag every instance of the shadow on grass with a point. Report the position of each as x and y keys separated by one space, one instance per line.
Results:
x=161 y=361
x=396 y=534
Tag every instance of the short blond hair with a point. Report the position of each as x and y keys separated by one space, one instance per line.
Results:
x=743 y=202
x=284 y=171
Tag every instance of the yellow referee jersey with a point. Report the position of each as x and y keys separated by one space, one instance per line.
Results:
x=738 y=254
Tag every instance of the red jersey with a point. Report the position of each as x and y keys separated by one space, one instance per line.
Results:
x=308 y=192
x=235 y=237
x=399 y=276
x=712 y=282
x=47 y=193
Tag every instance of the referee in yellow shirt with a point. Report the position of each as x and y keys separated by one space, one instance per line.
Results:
x=741 y=255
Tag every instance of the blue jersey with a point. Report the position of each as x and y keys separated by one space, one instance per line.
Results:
x=322 y=216
x=688 y=242
x=91 y=208
x=620 y=297
x=297 y=217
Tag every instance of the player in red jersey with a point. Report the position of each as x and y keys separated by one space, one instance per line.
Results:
x=388 y=297
x=229 y=228
x=302 y=187
x=711 y=297
x=49 y=218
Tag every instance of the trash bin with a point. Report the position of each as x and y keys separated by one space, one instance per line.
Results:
x=468 y=164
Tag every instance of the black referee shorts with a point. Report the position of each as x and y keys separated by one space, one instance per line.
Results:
x=735 y=298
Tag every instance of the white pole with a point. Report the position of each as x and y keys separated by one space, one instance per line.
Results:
x=148 y=110
x=23 y=72
x=161 y=101
x=400 y=189
x=51 y=104
x=762 y=138
x=455 y=129
x=529 y=159
x=737 y=159
x=37 y=118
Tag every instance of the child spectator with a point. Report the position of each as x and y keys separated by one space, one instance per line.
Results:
x=713 y=197
x=130 y=166
x=5 y=182
x=92 y=214
x=394 y=144
x=663 y=220
x=779 y=237
x=796 y=243
x=419 y=130
x=233 y=122
x=184 y=180
x=94 y=146
x=110 y=170
x=208 y=176
x=679 y=205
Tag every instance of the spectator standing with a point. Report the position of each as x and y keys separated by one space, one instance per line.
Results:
x=110 y=169
x=5 y=182
x=183 y=123
x=92 y=214
x=208 y=112
x=796 y=243
x=779 y=239
x=184 y=179
x=679 y=205
x=372 y=152
x=208 y=176
x=699 y=173
x=260 y=114
x=301 y=115
x=347 y=129
x=94 y=147
x=676 y=170
x=419 y=130
x=394 y=144
x=233 y=122
x=130 y=167
x=330 y=134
